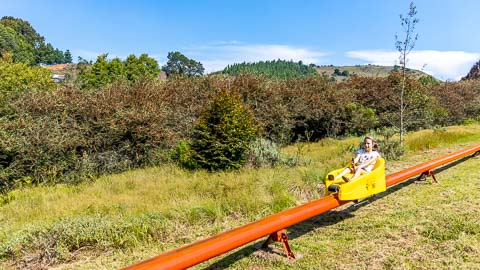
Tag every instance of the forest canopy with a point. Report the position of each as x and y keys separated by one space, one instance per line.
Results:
x=280 y=69
x=20 y=39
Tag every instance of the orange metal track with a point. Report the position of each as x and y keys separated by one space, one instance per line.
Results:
x=203 y=250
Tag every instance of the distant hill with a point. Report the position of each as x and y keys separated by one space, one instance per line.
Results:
x=280 y=69
x=288 y=69
x=340 y=73
x=474 y=72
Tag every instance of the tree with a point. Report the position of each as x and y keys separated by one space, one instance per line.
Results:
x=116 y=69
x=104 y=71
x=11 y=42
x=68 y=57
x=23 y=29
x=98 y=75
x=404 y=47
x=59 y=58
x=279 y=69
x=223 y=134
x=178 y=64
x=18 y=78
x=144 y=66
x=18 y=37
x=420 y=109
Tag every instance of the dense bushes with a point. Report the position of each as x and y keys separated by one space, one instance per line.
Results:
x=382 y=95
x=459 y=100
x=66 y=135
x=69 y=134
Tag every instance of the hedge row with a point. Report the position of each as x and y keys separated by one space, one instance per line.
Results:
x=69 y=135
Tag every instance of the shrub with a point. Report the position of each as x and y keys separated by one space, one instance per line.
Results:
x=263 y=152
x=223 y=134
x=471 y=121
x=362 y=119
x=182 y=154
x=390 y=148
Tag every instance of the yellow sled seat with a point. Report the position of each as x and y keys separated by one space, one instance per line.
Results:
x=364 y=186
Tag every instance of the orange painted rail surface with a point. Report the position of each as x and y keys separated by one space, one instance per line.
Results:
x=403 y=175
x=203 y=250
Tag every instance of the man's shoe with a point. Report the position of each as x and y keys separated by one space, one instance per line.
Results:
x=346 y=179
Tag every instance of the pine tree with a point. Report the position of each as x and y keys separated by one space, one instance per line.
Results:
x=223 y=134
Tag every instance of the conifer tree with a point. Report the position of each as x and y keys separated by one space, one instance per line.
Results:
x=223 y=134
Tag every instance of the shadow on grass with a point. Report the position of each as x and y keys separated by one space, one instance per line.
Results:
x=329 y=218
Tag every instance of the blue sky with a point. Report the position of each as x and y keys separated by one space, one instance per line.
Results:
x=221 y=32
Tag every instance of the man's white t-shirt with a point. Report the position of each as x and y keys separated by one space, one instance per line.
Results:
x=366 y=156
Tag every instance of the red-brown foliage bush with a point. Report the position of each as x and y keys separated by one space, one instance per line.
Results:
x=71 y=134
x=460 y=99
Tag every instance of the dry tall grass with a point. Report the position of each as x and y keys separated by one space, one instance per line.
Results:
x=122 y=218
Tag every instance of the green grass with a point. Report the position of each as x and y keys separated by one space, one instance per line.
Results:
x=121 y=219
x=428 y=139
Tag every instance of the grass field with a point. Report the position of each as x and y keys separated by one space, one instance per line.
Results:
x=121 y=219
x=418 y=226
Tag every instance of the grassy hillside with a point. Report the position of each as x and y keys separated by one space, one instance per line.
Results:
x=363 y=70
x=121 y=219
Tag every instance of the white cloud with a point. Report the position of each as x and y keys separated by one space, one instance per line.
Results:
x=218 y=56
x=445 y=65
